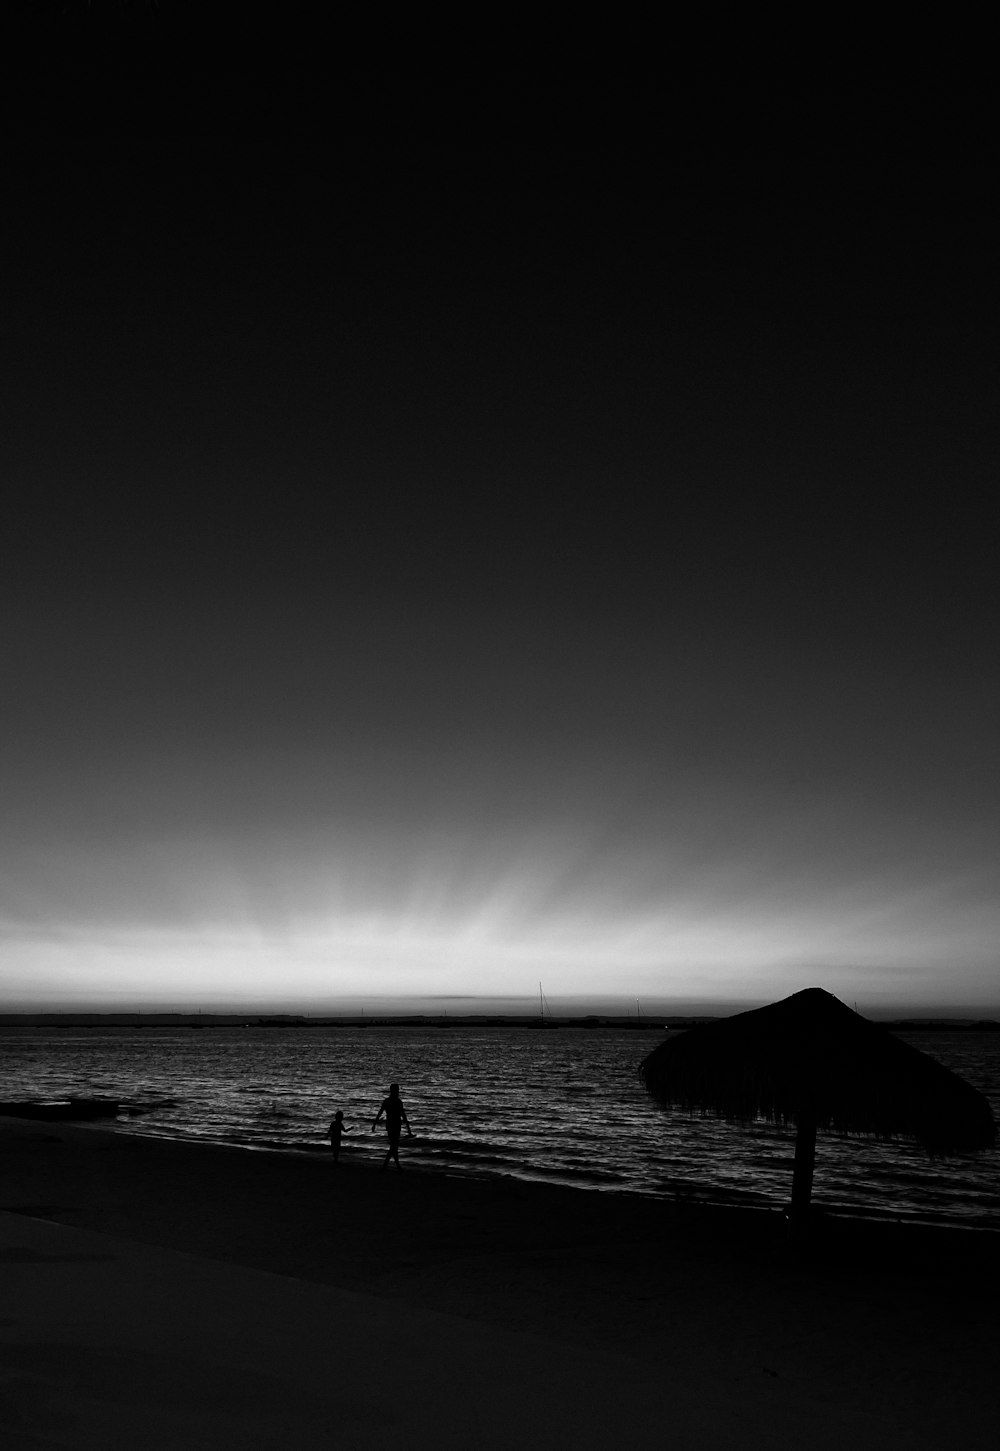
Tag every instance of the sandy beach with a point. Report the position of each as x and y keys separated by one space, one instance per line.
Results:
x=615 y=1313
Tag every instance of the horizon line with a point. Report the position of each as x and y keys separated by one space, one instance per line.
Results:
x=958 y=1013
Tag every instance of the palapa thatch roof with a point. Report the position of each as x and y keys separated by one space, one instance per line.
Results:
x=810 y=1057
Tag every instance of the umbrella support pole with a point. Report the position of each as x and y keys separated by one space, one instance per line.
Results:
x=802 y=1173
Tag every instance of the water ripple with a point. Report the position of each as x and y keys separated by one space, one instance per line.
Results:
x=563 y=1106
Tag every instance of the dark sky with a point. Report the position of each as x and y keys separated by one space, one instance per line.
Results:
x=475 y=516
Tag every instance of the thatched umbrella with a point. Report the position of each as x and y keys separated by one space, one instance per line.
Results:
x=810 y=1061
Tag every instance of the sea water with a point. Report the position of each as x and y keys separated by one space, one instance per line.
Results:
x=564 y=1106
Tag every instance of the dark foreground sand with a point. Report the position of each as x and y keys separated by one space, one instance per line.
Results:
x=710 y=1328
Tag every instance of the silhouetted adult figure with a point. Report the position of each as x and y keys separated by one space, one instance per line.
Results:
x=395 y=1117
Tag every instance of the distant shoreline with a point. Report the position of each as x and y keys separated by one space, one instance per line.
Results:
x=522 y=1021
x=529 y=1021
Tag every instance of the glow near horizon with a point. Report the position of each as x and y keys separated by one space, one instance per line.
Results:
x=734 y=833
x=204 y=925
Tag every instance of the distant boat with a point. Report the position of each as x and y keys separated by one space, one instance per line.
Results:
x=545 y=1018
x=639 y=1021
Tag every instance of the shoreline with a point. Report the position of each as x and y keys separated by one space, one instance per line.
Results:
x=641 y=1209
x=694 y=1200
x=828 y=1211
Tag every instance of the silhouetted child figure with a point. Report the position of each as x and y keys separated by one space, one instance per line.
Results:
x=395 y=1117
x=336 y=1129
